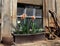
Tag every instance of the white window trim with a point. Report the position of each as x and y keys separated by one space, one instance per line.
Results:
x=34 y=11
x=25 y=10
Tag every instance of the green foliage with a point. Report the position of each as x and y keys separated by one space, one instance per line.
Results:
x=24 y=28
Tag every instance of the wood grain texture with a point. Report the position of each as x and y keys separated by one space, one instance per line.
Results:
x=31 y=2
x=6 y=20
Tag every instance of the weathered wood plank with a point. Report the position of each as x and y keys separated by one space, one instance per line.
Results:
x=44 y=13
x=10 y=10
x=14 y=12
x=31 y=2
x=6 y=28
x=50 y=5
x=58 y=11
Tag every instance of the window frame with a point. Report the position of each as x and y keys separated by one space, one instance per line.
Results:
x=34 y=11
x=34 y=14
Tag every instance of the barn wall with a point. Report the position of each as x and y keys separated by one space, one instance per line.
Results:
x=55 y=8
x=14 y=11
x=58 y=11
x=50 y=5
x=47 y=5
x=31 y=2
x=6 y=18
x=9 y=13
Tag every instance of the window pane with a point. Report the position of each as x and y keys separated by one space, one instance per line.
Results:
x=39 y=23
x=20 y=8
x=29 y=22
x=29 y=11
x=38 y=12
x=19 y=19
x=20 y=11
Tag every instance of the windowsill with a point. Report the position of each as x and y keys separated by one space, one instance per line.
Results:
x=30 y=16
x=28 y=36
x=43 y=32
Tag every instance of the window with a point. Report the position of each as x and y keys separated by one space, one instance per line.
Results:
x=20 y=9
x=30 y=10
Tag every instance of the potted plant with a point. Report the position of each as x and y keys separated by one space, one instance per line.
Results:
x=23 y=26
x=24 y=29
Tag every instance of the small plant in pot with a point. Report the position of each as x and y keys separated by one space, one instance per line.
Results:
x=24 y=28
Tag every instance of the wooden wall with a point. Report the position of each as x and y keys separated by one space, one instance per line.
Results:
x=9 y=13
x=6 y=18
x=31 y=2
x=50 y=5
x=14 y=11
x=58 y=11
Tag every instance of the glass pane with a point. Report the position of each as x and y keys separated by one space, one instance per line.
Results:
x=38 y=12
x=39 y=23
x=20 y=11
x=29 y=11
x=18 y=19
x=20 y=8
x=29 y=22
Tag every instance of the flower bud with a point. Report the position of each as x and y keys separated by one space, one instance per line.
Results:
x=33 y=17
x=23 y=16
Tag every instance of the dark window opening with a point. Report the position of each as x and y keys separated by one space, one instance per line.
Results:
x=30 y=10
